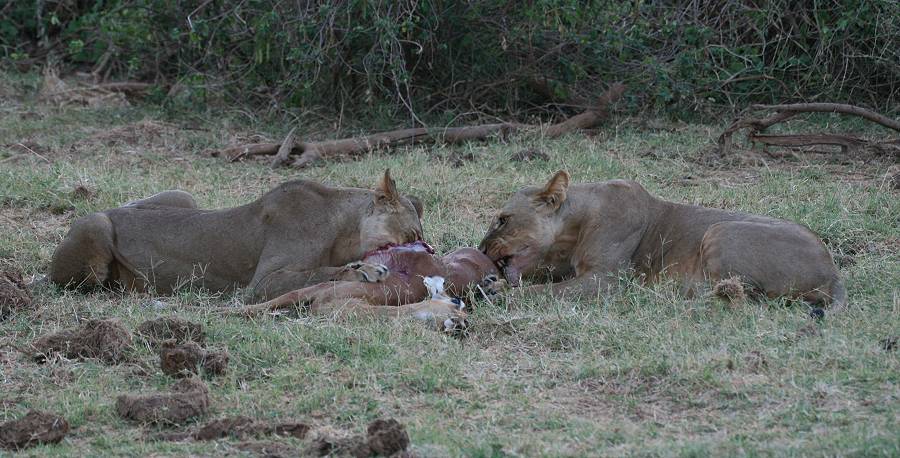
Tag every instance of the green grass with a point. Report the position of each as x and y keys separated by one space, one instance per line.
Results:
x=641 y=372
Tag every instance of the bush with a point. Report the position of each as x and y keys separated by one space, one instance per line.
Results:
x=430 y=57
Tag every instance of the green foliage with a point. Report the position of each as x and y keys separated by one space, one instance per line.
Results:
x=435 y=56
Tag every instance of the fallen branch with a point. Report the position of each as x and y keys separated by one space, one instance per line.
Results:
x=284 y=151
x=310 y=152
x=755 y=126
x=834 y=108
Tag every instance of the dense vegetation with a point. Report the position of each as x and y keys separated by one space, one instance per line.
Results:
x=428 y=58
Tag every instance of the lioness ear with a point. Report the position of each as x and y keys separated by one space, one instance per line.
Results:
x=417 y=204
x=554 y=193
x=387 y=189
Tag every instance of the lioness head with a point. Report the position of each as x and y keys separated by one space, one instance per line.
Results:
x=527 y=226
x=391 y=218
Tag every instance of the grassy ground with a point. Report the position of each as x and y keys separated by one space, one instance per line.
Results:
x=642 y=372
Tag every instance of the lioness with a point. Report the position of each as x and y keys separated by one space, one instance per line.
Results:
x=298 y=234
x=580 y=236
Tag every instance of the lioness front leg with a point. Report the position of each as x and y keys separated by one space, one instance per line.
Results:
x=284 y=280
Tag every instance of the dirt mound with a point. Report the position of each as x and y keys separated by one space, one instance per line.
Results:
x=215 y=362
x=238 y=427
x=383 y=438
x=106 y=340
x=33 y=429
x=167 y=328
x=189 y=399
x=180 y=360
x=241 y=427
x=387 y=437
x=14 y=293
x=355 y=446
x=184 y=360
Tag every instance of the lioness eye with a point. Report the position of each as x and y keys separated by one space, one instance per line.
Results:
x=501 y=221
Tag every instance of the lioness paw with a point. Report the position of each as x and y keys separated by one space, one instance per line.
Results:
x=492 y=286
x=365 y=272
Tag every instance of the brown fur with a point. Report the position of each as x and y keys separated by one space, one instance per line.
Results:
x=298 y=234
x=580 y=237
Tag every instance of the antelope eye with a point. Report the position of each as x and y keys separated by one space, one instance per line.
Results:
x=501 y=221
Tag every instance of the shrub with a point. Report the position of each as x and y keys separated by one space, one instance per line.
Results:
x=429 y=57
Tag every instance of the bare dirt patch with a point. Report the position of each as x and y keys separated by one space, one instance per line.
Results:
x=135 y=140
x=169 y=328
x=107 y=340
x=34 y=428
x=14 y=293
x=188 y=399
x=142 y=133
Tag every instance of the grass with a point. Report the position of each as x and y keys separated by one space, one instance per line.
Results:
x=642 y=372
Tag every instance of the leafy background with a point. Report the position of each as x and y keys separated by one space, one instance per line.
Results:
x=419 y=61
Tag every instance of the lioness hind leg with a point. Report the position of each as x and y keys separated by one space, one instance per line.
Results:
x=776 y=259
x=85 y=255
x=170 y=198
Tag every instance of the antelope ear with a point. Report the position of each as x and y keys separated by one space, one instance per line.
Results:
x=417 y=204
x=554 y=192
x=387 y=189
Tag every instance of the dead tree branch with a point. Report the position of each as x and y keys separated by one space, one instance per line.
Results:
x=310 y=152
x=834 y=108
